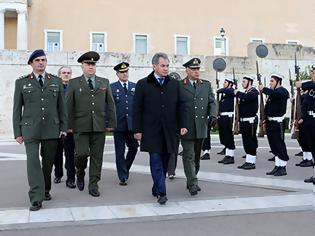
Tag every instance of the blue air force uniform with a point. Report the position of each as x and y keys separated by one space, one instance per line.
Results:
x=123 y=93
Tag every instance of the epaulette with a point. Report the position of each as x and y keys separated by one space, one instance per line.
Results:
x=49 y=76
x=24 y=76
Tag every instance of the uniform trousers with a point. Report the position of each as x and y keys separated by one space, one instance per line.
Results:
x=39 y=173
x=249 y=137
x=158 y=167
x=89 y=144
x=302 y=139
x=207 y=141
x=121 y=140
x=191 y=159
x=225 y=124
x=275 y=137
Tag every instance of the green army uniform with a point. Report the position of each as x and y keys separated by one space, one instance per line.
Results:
x=199 y=106
x=88 y=111
x=38 y=116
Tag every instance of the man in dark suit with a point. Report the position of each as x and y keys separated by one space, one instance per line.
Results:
x=198 y=99
x=90 y=103
x=39 y=119
x=123 y=93
x=155 y=120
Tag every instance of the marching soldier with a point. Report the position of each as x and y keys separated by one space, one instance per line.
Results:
x=123 y=93
x=39 y=119
x=90 y=103
x=308 y=115
x=275 y=110
x=225 y=121
x=248 y=108
x=199 y=102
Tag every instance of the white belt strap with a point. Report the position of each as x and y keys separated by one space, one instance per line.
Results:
x=248 y=119
x=311 y=113
x=278 y=119
x=229 y=114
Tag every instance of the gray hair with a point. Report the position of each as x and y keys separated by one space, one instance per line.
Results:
x=68 y=67
x=157 y=56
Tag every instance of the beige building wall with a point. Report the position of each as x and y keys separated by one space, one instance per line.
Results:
x=10 y=33
x=273 y=21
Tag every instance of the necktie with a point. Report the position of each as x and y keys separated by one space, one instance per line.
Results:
x=161 y=80
x=40 y=80
x=90 y=84
x=125 y=88
x=194 y=83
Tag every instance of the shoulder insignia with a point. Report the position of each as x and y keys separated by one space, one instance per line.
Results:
x=185 y=81
x=26 y=76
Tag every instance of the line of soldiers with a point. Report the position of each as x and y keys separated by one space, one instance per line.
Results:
x=155 y=111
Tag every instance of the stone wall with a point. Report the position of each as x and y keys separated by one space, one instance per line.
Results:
x=280 y=59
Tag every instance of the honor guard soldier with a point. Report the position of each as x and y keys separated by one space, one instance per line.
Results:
x=248 y=108
x=275 y=109
x=198 y=99
x=308 y=114
x=91 y=111
x=39 y=119
x=225 y=121
x=123 y=93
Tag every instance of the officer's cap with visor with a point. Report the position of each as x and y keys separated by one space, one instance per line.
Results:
x=90 y=57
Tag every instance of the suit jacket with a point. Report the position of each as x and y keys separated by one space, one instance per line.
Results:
x=156 y=114
x=124 y=105
x=199 y=106
x=90 y=111
x=39 y=112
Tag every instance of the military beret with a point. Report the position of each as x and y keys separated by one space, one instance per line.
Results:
x=89 y=57
x=193 y=63
x=277 y=76
x=35 y=54
x=122 y=67
x=230 y=80
x=249 y=77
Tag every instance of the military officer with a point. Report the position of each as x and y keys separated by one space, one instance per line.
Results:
x=123 y=93
x=248 y=108
x=39 y=119
x=91 y=111
x=199 y=101
x=275 y=109
x=225 y=120
x=308 y=114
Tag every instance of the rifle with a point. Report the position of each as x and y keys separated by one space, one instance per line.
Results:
x=298 y=113
x=236 y=109
x=292 y=116
x=261 y=132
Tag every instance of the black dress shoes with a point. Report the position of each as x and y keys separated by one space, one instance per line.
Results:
x=47 y=196
x=94 y=192
x=222 y=152
x=273 y=171
x=205 y=156
x=36 y=206
x=310 y=180
x=80 y=185
x=57 y=180
x=299 y=154
x=228 y=160
x=247 y=166
x=123 y=182
x=281 y=171
x=193 y=190
x=162 y=199
x=223 y=160
x=306 y=163
x=70 y=184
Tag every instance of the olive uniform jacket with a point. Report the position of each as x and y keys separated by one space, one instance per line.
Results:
x=39 y=112
x=90 y=110
x=199 y=106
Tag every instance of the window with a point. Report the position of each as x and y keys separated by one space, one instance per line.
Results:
x=293 y=42
x=98 y=41
x=140 y=43
x=220 y=46
x=53 y=40
x=257 y=40
x=182 y=45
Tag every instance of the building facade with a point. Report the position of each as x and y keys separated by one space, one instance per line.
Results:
x=201 y=27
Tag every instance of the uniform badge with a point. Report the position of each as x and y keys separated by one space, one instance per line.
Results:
x=29 y=85
x=80 y=90
x=117 y=91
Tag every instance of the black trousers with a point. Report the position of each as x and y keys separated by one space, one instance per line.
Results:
x=207 y=141
x=309 y=134
x=303 y=138
x=65 y=145
x=275 y=137
x=172 y=163
x=249 y=137
x=121 y=140
x=226 y=135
